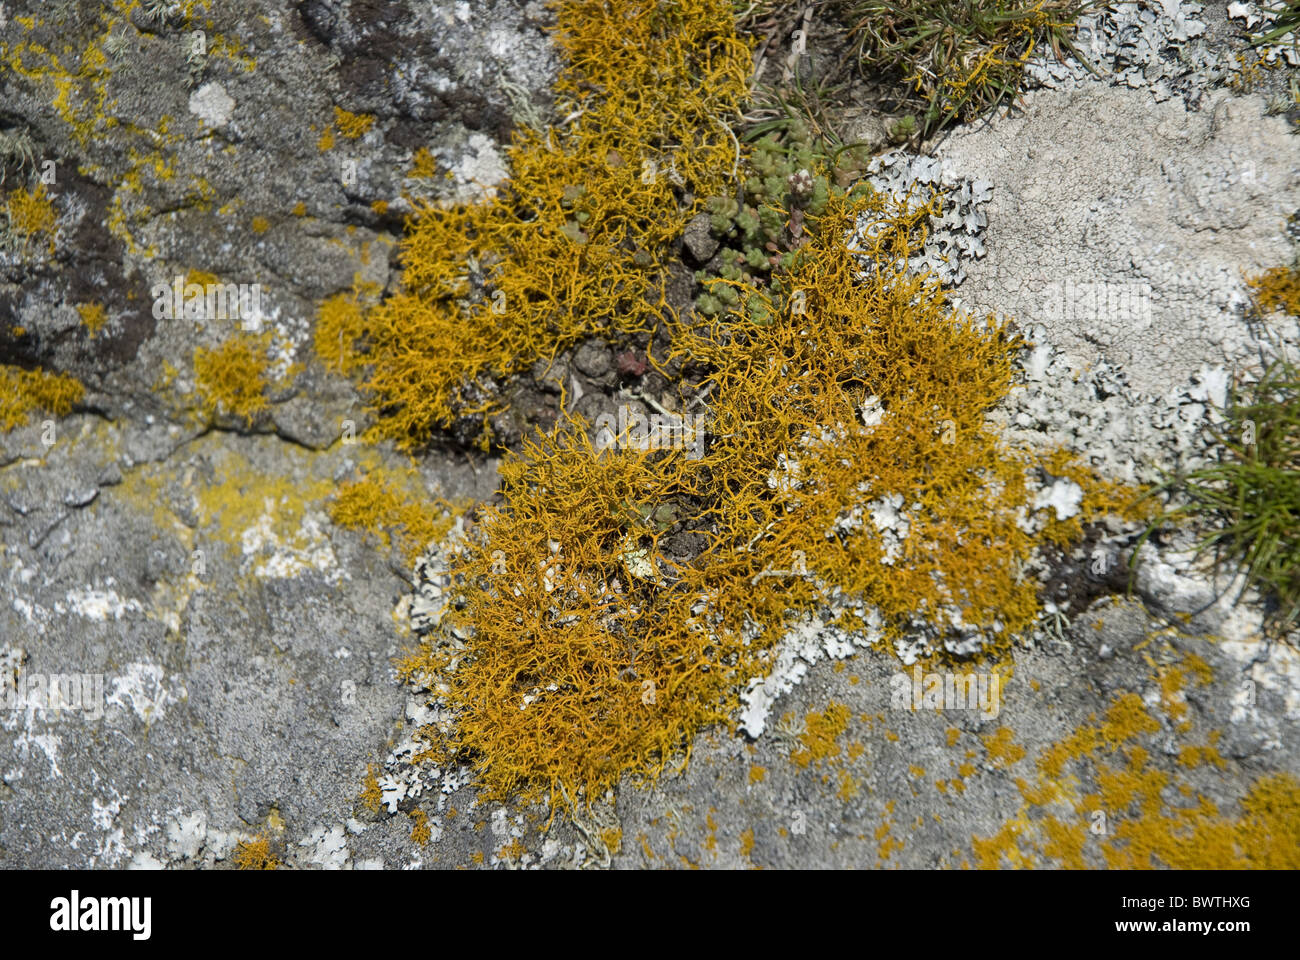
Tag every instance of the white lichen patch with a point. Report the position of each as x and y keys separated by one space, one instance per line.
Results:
x=803 y=645
x=101 y=604
x=478 y=172
x=141 y=690
x=212 y=104
x=327 y=847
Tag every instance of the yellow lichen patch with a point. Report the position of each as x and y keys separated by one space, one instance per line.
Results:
x=574 y=243
x=271 y=520
x=260 y=225
x=757 y=774
x=326 y=141
x=1002 y=749
x=232 y=378
x=371 y=795
x=612 y=838
x=93 y=317
x=848 y=444
x=353 y=126
x=1277 y=289
x=1127 y=822
x=747 y=842
x=423 y=165
x=420 y=831
x=381 y=508
x=24 y=391
x=31 y=214
x=887 y=843
x=255 y=854
x=340 y=324
x=821 y=732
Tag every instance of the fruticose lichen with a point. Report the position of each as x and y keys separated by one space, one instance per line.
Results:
x=849 y=468
x=24 y=391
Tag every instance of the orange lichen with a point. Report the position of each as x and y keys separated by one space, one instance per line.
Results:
x=820 y=735
x=371 y=795
x=231 y=379
x=392 y=514
x=1002 y=749
x=31 y=214
x=590 y=653
x=574 y=243
x=93 y=317
x=24 y=391
x=1126 y=822
x=1277 y=289
x=255 y=854
x=420 y=831
x=353 y=126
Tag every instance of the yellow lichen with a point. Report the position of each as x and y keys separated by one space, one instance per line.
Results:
x=371 y=796
x=820 y=735
x=420 y=831
x=353 y=126
x=31 y=214
x=576 y=239
x=591 y=653
x=381 y=508
x=25 y=391
x=93 y=317
x=231 y=379
x=255 y=854
x=1126 y=822
x=1277 y=289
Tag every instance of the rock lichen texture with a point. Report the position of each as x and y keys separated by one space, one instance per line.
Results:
x=323 y=543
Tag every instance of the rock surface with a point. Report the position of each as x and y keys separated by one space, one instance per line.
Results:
x=245 y=643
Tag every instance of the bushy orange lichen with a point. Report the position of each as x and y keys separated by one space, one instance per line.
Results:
x=231 y=379
x=573 y=244
x=379 y=507
x=31 y=214
x=1277 y=289
x=353 y=126
x=591 y=653
x=340 y=324
x=24 y=391
x=93 y=317
x=255 y=854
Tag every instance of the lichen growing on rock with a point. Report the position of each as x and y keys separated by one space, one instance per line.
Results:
x=232 y=378
x=574 y=243
x=24 y=391
x=849 y=468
